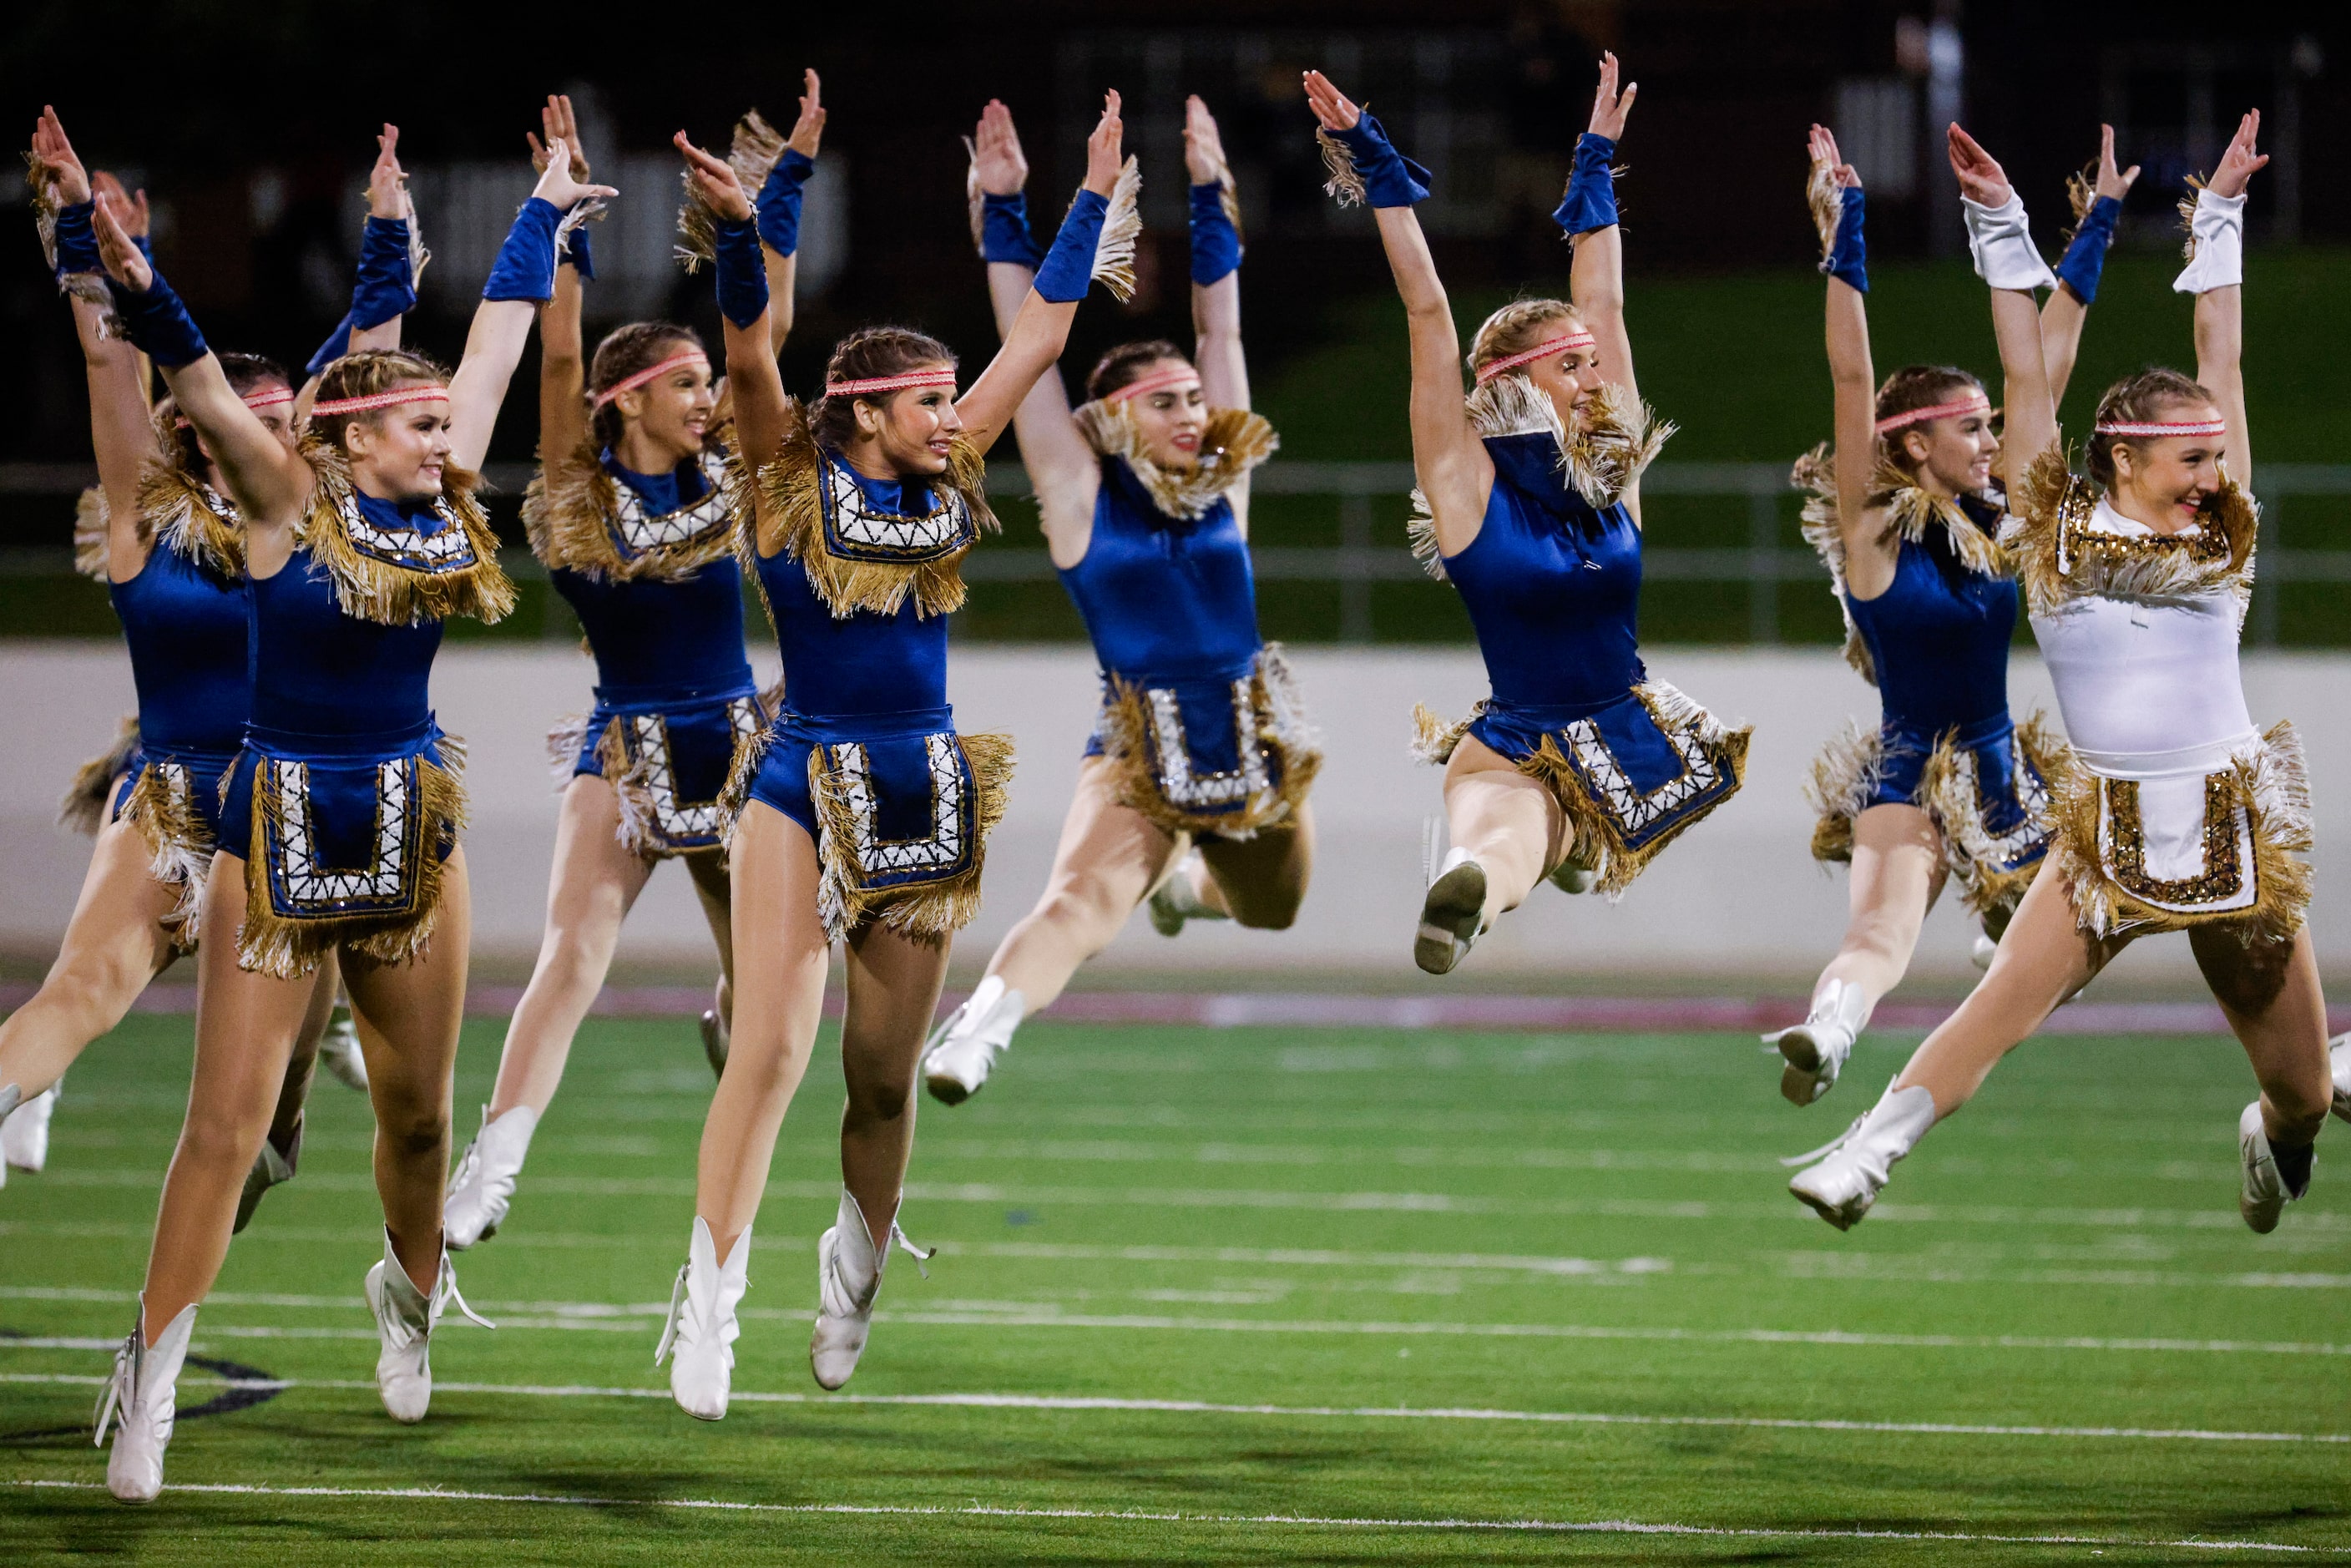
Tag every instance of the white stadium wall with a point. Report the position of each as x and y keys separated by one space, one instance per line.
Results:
x=1739 y=896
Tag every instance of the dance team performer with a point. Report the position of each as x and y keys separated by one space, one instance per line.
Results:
x=1907 y=517
x=861 y=814
x=341 y=815
x=170 y=550
x=1202 y=739
x=1580 y=768
x=634 y=514
x=2171 y=812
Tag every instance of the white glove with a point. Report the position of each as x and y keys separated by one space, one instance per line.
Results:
x=2219 y=229
x=2000 y=240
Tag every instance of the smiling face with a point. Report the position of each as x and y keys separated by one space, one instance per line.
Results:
x=671 y=412
x=399 y=453
x=907 y=434
x=2164 y=481
x=1952 y=456
x=1170 y=418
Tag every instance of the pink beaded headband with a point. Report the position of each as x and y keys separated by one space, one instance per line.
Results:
x=651 y=372
x=946 y=377
x=2157 y=428
x=1486 y=373
x=261 y=397
x=1174 y=375
x=1974 y=402
x=427 y=392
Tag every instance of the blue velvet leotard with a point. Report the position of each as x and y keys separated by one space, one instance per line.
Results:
x=185 y=622
x=1162 y=596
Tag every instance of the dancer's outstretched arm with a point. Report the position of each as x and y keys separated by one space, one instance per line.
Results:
x=562 y=347
x=1449 y=463
x=2005 y=259
x=1596 y=278
x=390 y=262
x=754 y=384
x=1838 y=209
x=2215 y=278
x=2068 y=306
x=1216 y=348
x=778 y=208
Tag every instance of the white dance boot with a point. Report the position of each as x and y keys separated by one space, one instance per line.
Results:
x=24 y=1134
x=848 y=1278
x=141 y=1401
x=404 y=1320
x=338 y=1050
x=1817 y=1048
x=1453 y=915
x=2338 y=1056
x=702 y=1329
x=962 y=1052
x=1842 y=1186
x=482 y=1187
x=2265 y=1195
x=1176 y=899
x=270 y=1168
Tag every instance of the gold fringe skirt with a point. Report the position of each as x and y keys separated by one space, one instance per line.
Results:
x=1221 y=757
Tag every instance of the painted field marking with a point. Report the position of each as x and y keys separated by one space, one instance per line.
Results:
x=977 y=1510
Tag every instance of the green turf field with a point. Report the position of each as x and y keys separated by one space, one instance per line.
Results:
x=1260 y=1296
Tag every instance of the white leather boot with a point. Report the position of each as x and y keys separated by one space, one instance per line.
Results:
x=1842 y=1186
x=1817 y=1048
x=963 y=1051
x=271 y=1166
x=141 y=1401
x=25 y=1133
x=338 y=1050
x=2265 y=1195
x=481 y=1188
x=849 y=1278
x=1176 y=899
x=702 y=1329
x=1452 y=914
x=404 y=1321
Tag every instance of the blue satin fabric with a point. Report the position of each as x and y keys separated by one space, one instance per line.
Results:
x=317 y=671
x=1904 y=751
x=1938 y=636
x=658 y=634
x=897 y=752
x=343 y=807
x=205 y=770
x=187 y=627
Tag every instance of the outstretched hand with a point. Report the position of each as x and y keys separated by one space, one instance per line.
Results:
x=1106 y=148
x=1824 y=148
x=123 y=262
x=557 y=187
x=1333 y=109
x=129 y=210
x=1204 y=148
x=996 y=152
x=807 y=131
x=387 y=181
x=60 y=166
x=2240 y=163
x=715 y=182
x=1610 y=108
x=1981 y=179
x=560 y=125
x=2111 y=180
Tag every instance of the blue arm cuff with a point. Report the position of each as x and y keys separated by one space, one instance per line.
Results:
x=337 y=344
x=1390 y=179
x=742 y=272
x=525 y=269
x=77 y=240
x=1069 y=267
x=2085 y=259
x=1004 y=231
x=576 y=254
x=779 y=202
x=384 y=289
x=1216 y=244
x=1848 y=257
x=159 y=324
x=1591 y=200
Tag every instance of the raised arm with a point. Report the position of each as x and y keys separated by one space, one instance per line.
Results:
x=2002 y=240
x=521 y=280
x=1215 y=263
x=2099 y=206
x=2215 y=275
x=1838 y=210
x=384 y=291
x=779 y=208
x=1595 y=279
x=754 y=384
x=1040 y=327
x=1449 y=463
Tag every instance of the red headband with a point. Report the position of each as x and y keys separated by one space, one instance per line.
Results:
x=1486 y=373
x=426 y=393
x=651 y=372
x=2158 y=428
x=263 y=397
x=891 y=383
x=1974 y=402
x=1175 y=375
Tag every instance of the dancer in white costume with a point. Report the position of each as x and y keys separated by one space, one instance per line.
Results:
x=2174 y=812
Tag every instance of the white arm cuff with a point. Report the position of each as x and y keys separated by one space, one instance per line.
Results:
x=2001 y=239
x=2219 y=229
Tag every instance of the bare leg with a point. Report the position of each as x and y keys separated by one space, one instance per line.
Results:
x=245 y=1025
x=893 y=989
x=2270 y=994
x=784 y=951
x=114 y=945
x=1508 y=820
x=303 y=1066
x=1110 y=858
x=1260 y=881
x=711 y=886
x=594 y=884
x=408 y=1016
x=1897 y=872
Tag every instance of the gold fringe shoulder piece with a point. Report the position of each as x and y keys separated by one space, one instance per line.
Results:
x=801 y=487
x=1511 y=405
x=92 y=520
x=580 y=518
x=399 y=578
x=2060 y=553
x=84 y=807
x=1615 y=438
x=1420 y=534
x=753 y=153
x=1234 y=442
x=1814 y=473
x=186 y=515
x=1434 y=740
x=1843 y=779
x=1345 y=184
x=1826 y=201
x=928 y=912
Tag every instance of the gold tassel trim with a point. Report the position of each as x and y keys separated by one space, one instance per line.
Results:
x=1234 y=442
x=2187 y=216
x=89 y=288
x=1615 y=439
x=790 y=520
x=1844 y=777
x=186 y=515
x=1282 y=734
x=1434 y=739
x=84 y=807
x=565 y=741
x=569 y=508
x=270 y=943
x=932 y=911
x=2061 y=555
x=93 y=518
x=1345 y=185
x=750 y=750
x=369 y=589
x=1121 y=227
x=160 y=807
x=753 y=153
x=1827 y=200
x=1420 y=536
